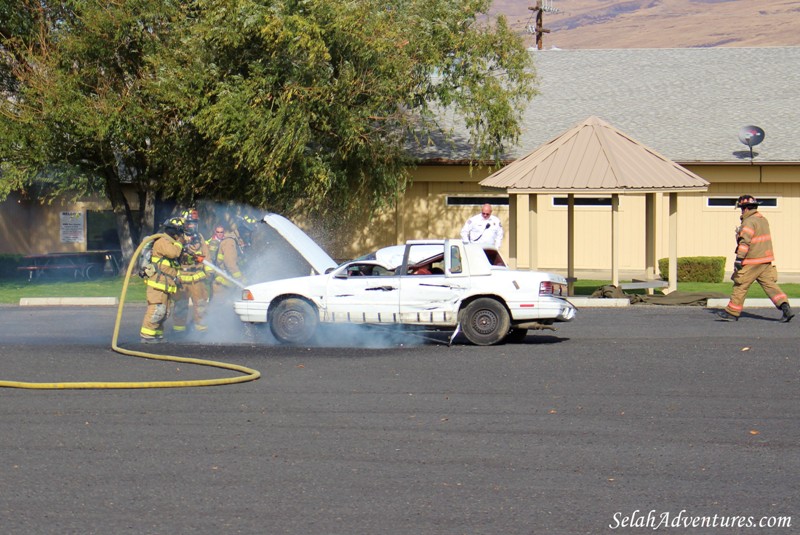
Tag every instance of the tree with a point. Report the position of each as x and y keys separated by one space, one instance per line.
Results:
x=292 y=105
x=77 y=111
x=318 y=102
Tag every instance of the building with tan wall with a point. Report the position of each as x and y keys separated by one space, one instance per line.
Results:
x=686 y=104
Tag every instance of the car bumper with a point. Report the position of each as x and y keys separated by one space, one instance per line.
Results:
x=251 y=311
x=566 y=312
x=548 y=308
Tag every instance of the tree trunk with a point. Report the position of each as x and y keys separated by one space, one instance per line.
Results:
x=147 y=202
x=123 y=218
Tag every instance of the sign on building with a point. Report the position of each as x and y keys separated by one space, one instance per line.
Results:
x=72 y=227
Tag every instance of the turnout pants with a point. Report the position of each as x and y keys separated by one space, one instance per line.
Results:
x=764 y=274
x=156 y=313
x=198 y=292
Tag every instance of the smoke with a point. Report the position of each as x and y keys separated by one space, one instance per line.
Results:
x=265 y=256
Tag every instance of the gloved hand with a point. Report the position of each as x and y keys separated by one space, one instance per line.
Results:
x=737 y=264
x=147 y=271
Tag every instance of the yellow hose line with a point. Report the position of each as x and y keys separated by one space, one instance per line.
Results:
x=250 y=374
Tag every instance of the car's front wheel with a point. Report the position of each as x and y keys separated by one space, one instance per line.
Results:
x=485 y=322
x=294 y=321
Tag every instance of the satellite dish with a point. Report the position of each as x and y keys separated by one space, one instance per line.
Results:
x=751 y=135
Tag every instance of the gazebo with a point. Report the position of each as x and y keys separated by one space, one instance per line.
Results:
x=592 y=158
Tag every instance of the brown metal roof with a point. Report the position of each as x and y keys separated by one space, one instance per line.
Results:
x=594 y=157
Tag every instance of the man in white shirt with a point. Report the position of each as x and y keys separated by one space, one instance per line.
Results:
x=483 y=228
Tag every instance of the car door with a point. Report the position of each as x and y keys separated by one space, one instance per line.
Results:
x=432 y=299
x=362 y=292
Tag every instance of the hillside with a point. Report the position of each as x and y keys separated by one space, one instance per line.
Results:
x=660 y=24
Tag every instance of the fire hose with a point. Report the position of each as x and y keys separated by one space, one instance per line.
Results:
x=223 y=273
x=249 y=374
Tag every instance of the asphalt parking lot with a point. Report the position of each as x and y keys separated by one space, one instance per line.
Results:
x=622 y=416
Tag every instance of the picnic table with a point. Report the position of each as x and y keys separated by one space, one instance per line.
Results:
x=88 y=265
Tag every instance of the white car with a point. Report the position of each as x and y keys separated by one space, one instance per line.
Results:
x=425 y=284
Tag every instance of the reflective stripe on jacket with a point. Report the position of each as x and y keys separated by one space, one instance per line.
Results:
x=166 y=252
x=754 y=241
x=191 y=270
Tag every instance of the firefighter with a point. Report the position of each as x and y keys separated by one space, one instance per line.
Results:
x=223 y=252
x=244 y=231
x=192 y=276
x=162 y=280
x=754 y=257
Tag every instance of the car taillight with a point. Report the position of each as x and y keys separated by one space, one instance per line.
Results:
x=552 y=288
x=247 y=296
x=545 y=288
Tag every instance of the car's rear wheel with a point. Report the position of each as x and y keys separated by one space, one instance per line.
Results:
x=485 y=322
x=294 y=321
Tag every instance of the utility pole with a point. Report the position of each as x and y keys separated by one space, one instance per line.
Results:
x=538 y=29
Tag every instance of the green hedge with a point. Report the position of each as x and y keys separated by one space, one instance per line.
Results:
x=695 y=268
x=9 y=264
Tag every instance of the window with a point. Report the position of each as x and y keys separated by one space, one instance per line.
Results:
x=583 y=201
x=455 y=259
x=730 y=202
x=101 y=230
x=425 y=259
x=476 y=201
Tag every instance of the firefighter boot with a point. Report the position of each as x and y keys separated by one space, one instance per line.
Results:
x=724 y=315
x=787 y=313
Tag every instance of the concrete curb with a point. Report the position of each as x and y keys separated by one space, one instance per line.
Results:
x=601 y=302
x=749 y=303
x=62 y=301
x=598 y=302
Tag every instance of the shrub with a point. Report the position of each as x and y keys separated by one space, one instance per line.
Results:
x=695 y=268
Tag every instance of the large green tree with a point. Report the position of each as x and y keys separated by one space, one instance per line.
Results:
x=319 y=102
x=311 y=105
x=77 y=113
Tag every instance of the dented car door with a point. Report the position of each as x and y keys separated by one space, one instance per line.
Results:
x=430 y=294
x=362 y=293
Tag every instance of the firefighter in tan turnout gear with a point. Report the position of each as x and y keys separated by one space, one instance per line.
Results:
x=161 y=278
x=193 y=278
x=754 y=257
x=223 y=252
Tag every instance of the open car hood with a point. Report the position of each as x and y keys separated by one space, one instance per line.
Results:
x=300 y=243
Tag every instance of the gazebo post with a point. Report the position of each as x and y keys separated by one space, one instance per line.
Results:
x=650 y=238
x=533 y=232
x=673 y=242
x=571 y=244
x=615 y=239
x=513 y=247
x=522 y=232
